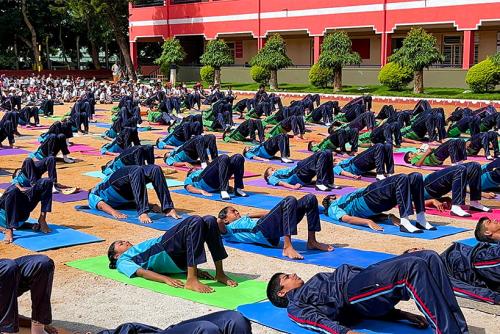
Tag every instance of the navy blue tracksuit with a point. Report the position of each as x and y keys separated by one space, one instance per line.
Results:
x=218 y=172
x=455 y=179
x=491 y=121
x=421 y=106
x=295 y=124
x=378 y=156
x=80 y=114
x=474 y=271
x=364 y=120
x=341 y=137
x=7 y=131
x=32 y=171
x=467 y=123
x=324 y=113
x=18 y=204
x=52 y=145
x=386 y=112
x=426 y=123
x=126 y=138
x=385 y=134
x=135 y=155
x=249 y=127
x=196 y=149
x=32 y=273
x=329 y=302
x=279 y=143
x=130 y=182
x=483 y=140
x=64 y=127
x=453 y=148
x=319 y=165
x=26 y=114
x=223 y=322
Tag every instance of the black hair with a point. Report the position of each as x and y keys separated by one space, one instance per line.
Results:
x=16 y=172
x=273 y=287
x=480 y=229
x=267 y=174
x=111 y=255
x=327 y=201
x=223 y=213
x=310 y=146
x=407 y=157
x=191 y=171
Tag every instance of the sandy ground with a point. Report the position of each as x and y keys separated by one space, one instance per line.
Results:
x=83 y=302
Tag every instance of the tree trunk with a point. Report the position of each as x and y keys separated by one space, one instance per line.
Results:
x=94 y=52
x=106 y=55
x=47 y=51
x=34 y=42
x=273 y=81
x=337 y=80
x=217 y=76
x=123 y=44
x=173 y=76
x=15 y=52
x=418 y=78
x=78 y=52
x=63 y=51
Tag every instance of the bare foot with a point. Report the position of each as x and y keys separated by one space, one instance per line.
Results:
x=224 y=279
x=204 y=275
x=318 y=245
x=172 y=213
x=144 y=218
x=119 y=215
x=9 y=236
x=44 y=228
x=195 y=285
x=291 y=253
x=155 y=208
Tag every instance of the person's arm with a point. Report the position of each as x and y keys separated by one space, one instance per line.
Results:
x=259 y=158
x=103 y=206
x=258 y=214
x=441 y=206
x=488 y=195
x=182 y=164
x=152 y=276
x=411 y=141
x=416 y=320
x=476 y=293
x=361 y=222
x=421 y=161
x=194 y=190
x=486 y=263
x=289 y=186
x=306 y=314
x=353 y=176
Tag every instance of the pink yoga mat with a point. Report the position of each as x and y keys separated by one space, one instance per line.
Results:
x=92 y=153
x=81 y=148
x=477 y=158
x=475 y=214
x=308 y=189
x=43 y=127
x=399 y=160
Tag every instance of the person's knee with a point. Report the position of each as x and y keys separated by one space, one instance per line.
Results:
x=291 y=200
x=8 y=269
x=238 y=159
x=237 y=322
x=45 y=263
x=415 y=178
x=206 y=327
x=378 y=146
x=310 y=199
x=61 y=137
x=50 y=160
x=209 y=220
x=44 y=183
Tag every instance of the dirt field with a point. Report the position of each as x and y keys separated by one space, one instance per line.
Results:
x=83 y=302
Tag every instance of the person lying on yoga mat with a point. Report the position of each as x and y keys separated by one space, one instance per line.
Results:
x=453 y=149
x=337 y=141
x=331 y=302
x=267 y=227
x=245 y=132
x=7 y=131
x=466 y=124
x=490 y=177
x=181 y=134
x=428 y=124
x=32 y=171
x=126 y=138
x=33 y=273
x=319 y=165
x=291 y=123
x=268 y=149
x=132 y=156
x=324 y=113
x=222 y=322
x=181 y=249
x=215 y=177
x=387 y=133
x=362 y=206
x=193 y=151
x=378 y=156
x=488 y=230
x=456 y=179
x=65 y=127
x=127 y=186
x=485 y=141
x=17 y=203
x=51 y=146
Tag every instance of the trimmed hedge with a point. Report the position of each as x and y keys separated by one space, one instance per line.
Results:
x=207 y=74
x=260 y=74
x=395 y=76
x=483 y=77
x=320 y=77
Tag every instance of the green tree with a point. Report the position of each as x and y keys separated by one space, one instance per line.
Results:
x=172 y=54
x=336 y=52
x=419 y=51
x=217 y=54
x=272 y=57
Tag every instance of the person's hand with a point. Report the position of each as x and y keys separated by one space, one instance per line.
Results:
x=188 y=165
x=439 y=205
x=374 y=226
x=489 y=195
x=357 y=177
x=206 y=193
x=297 y=186
x=173 y=282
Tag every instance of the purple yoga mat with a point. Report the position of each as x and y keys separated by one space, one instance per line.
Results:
x=273 y=162
x=43 y=127
x=477 y=158
x=93 y=153
x=12 y=151
x=307 y=189
x=363 y=178
x=399 y=160
x=78 y=196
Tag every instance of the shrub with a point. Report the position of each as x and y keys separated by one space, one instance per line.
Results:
x=260 y=74
x=395 y=76
x=483 y=77
x=320 y=77
x=207 y=74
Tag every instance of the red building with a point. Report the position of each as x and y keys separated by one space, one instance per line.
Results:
x=467 y=30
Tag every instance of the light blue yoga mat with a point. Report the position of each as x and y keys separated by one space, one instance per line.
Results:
x=267 y=202
x=469 y=242
x=170 y=182
x=101 y=125
x=160 y=221
x=332 y=259
x=267 y=315
x=60 y=237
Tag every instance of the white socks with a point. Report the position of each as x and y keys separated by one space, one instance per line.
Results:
x=405 y=222
x=54 y=190
x=203 y=165
x=322 y=187
x=286 y=160
x=479 y=206
x=225 y=195
x=240 y=192
x=68 y=160
x=457 y=210
x=489 y=157
x=380 y=177
x=423 y=221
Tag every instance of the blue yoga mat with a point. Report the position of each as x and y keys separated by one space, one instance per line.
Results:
x=267 y=202
x=101 y=125
x=60 y=237
x=160 y=221
x=469 y=242
x=333 y=259
x=267 y=315
x=170 y=182
x=389 y=228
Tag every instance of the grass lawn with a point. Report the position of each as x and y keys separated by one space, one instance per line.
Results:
x=450 y=93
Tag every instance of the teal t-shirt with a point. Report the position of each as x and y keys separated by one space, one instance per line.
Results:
x=178 y=156
x=200 y=184
x=352 y=204
x=487 y=182
x=258 y=151
x=242 y=231
x=285 y=175
x=348 y=166
x=149 y=255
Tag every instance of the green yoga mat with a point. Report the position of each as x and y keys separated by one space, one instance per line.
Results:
x=247 y=291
